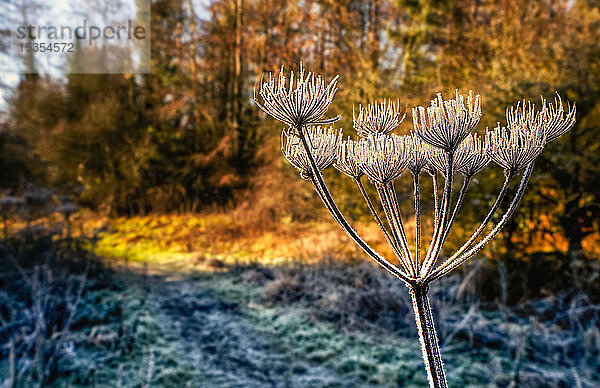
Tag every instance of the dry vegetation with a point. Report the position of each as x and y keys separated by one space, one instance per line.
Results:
x=332 y=323
x=77 y=318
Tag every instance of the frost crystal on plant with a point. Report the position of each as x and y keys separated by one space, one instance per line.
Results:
x=378 y=117
x=323 y=142
x=446 y=123
x=442 y=142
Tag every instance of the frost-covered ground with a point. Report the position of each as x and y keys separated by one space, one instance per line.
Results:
x=335 y=324
x=82 y=320
x=350 y=325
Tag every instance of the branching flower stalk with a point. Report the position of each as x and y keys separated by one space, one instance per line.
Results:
x=443 y=144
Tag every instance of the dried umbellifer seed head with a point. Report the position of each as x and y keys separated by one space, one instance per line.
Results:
x=446 y=123
x=299 y=102
x=514 y=148
x=323 y=143
x=377 y=117
x=347 y=162
x=383 y=157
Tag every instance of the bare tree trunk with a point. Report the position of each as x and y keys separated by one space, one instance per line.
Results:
x=192 y=51
x=374 y=27
x=238 y=83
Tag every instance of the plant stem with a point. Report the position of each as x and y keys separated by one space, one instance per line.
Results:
x=430 y=347
x=397 y=215
x=376 y=217
x=459 y=258
x=325 y=195
x=459 y=202
x=442 y=217
x=417 y=197
x=489 y=216
x=434 y=185
x=388 y=206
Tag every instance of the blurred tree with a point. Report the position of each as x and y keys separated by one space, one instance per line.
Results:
x=186 y=136
x=508 y=50
x=570 y=189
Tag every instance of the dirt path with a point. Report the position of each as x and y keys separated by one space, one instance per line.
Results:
x=224 y=343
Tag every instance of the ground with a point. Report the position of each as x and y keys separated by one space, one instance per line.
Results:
x=339 y=322
x=241 y=327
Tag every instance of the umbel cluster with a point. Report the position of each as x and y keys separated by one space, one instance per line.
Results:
x=441 y=146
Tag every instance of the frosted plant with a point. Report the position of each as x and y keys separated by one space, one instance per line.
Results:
x=378 y=117
x=382 y=158
x=298 y=102
x=347 y=161
x=323 y=143
x=442 y=146
x=472 y=155
x=446 y=123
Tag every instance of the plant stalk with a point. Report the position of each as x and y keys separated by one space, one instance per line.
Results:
x=430 y=347
x=396 y=209
x=458 y=258
x=442 y=218
x=385 y=204
x=417 y=197
x=376 y=217
x=325 y=195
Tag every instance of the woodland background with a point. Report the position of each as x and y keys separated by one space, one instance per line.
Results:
x=178 y=168
x=188 y=137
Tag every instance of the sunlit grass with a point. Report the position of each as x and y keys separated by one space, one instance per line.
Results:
x=199 y=241
x=210 y=241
